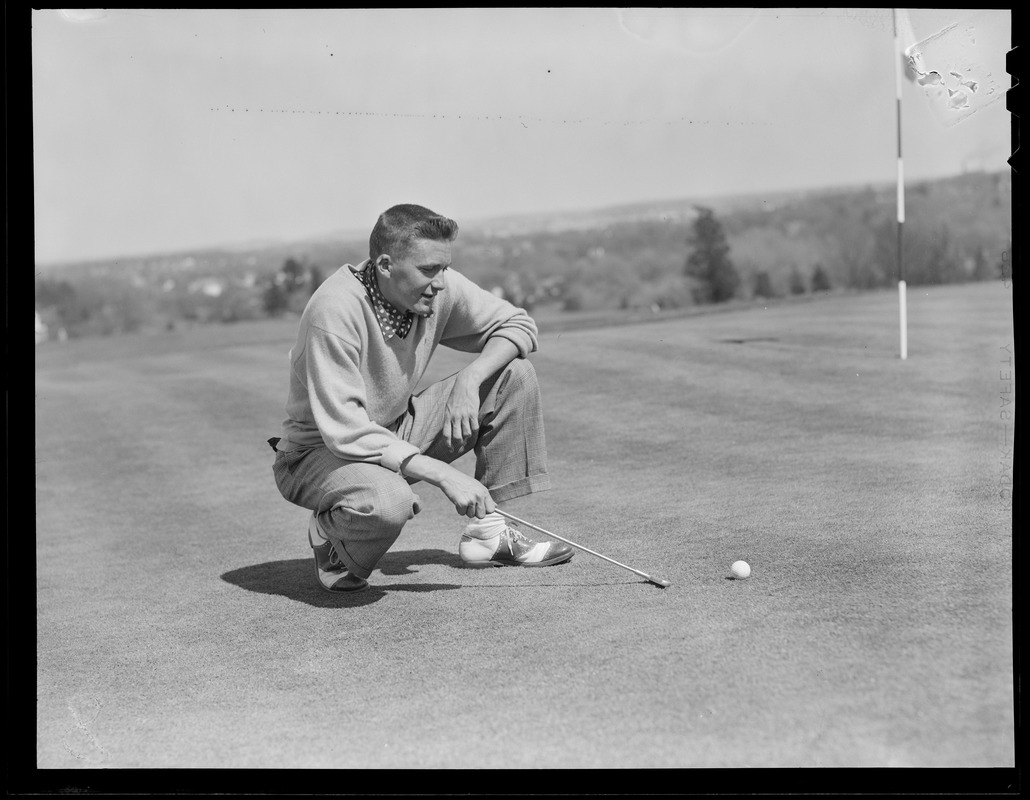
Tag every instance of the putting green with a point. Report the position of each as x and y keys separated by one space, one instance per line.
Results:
x=868 y=494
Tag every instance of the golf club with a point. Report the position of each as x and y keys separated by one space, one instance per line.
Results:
x=656 y=581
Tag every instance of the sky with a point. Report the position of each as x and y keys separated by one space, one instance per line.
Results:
x=161 y=130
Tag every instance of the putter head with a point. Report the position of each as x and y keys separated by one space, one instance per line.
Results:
x=659 y=582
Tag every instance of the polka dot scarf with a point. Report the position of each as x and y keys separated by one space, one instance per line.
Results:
x=391 y=320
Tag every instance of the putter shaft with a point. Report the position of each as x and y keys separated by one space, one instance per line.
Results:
x=515 y=519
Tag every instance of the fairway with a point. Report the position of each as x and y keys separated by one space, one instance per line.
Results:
x=180 y=625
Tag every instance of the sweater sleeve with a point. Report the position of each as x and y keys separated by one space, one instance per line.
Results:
x=478 y=315
x=336 y=393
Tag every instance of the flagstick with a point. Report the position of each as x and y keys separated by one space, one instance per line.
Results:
x=901 y=196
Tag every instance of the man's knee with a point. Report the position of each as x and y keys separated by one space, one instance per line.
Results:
x=384 y=505
x=514 y=393
x=519 y=373
x=394 y=503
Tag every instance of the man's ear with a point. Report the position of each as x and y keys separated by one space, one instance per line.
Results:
x=384 y=264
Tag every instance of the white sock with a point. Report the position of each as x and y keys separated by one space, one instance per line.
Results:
x=486 y=528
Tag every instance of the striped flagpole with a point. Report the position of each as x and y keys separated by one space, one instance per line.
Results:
x=902 y=303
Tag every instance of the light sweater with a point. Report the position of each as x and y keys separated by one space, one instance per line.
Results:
x=349 y=385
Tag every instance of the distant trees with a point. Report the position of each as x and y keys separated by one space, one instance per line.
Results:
x=797 y=281
x=859 y=255
x=275 y=299
x=982 y=268
x=293 y=274
x=820 y=280
x=289 y=287
x=101 y=307
x=763 y=285
x=59 y=303
x=54 y=293
x=931 y=256
x=709 y=260
x=930 y=252
x=956 y=230
x=315 y=277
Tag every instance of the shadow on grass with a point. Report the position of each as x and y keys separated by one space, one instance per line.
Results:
x=400 y=562
x=295 y=579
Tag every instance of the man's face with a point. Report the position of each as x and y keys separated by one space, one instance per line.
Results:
x=412 y=281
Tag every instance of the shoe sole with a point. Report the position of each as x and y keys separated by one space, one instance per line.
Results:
x=551 y=562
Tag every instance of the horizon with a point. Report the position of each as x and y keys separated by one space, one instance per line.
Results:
x=200 y=129
x=476 y=225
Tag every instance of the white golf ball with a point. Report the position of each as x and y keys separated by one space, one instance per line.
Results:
x=740 y=570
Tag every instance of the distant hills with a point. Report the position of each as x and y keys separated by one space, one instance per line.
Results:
x=624 y=257
x=499 y=226
x=590 y=219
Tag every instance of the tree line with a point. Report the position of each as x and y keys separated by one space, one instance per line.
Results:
x=957 y=231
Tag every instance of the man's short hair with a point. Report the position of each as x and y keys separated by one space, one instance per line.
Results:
x=397 y=227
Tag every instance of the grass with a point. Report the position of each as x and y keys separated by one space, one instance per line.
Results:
x=184 y=629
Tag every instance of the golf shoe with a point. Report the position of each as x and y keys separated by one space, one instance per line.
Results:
x=331 y=572
x=512 y=548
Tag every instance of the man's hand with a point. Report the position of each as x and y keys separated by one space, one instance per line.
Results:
x=471 y=498
x=461 y=414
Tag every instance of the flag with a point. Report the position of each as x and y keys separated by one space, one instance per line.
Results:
x=905 y=38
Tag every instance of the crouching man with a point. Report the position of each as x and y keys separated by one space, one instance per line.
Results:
x=356 y=439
